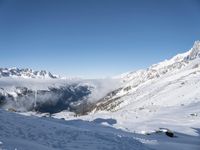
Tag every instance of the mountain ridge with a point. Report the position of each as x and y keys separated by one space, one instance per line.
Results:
x=177 y=61
x=185 y=62
x=26 y=73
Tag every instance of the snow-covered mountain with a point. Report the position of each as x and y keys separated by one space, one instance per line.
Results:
x=177 y=68
x=162 y=98
x=165 y=95
x=46 y=95
x=176 y=63
x=26 y=73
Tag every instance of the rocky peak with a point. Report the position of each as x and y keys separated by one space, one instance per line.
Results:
x=195 y=51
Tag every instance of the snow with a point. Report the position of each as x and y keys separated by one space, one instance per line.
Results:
x=146 y=104
x=167 y=101
x=21 y=132
x=151 y=99
x=26 y=73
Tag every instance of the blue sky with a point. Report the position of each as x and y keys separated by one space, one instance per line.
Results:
x=95 y=38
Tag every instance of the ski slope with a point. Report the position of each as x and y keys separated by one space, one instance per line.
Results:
x=18 y=132
x=31 y=133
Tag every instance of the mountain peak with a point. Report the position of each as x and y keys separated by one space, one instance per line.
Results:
x=195 y=51
x=192 y=54
x=25 y=73
x=197 y=43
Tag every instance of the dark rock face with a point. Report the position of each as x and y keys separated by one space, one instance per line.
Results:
x=70 y=97
x=169 y=133
x=108 y=121
x=106 y=103
x=63 y=98
x=2 y=99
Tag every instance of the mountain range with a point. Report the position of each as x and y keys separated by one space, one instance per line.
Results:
x=26 y=73
x=162 y=98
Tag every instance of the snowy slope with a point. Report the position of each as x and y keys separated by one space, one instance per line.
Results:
x=165 y=95
x=32 y=133
x=174 y=64
x=170 y=72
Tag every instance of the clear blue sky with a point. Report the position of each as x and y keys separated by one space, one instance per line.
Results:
x=95 y=38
